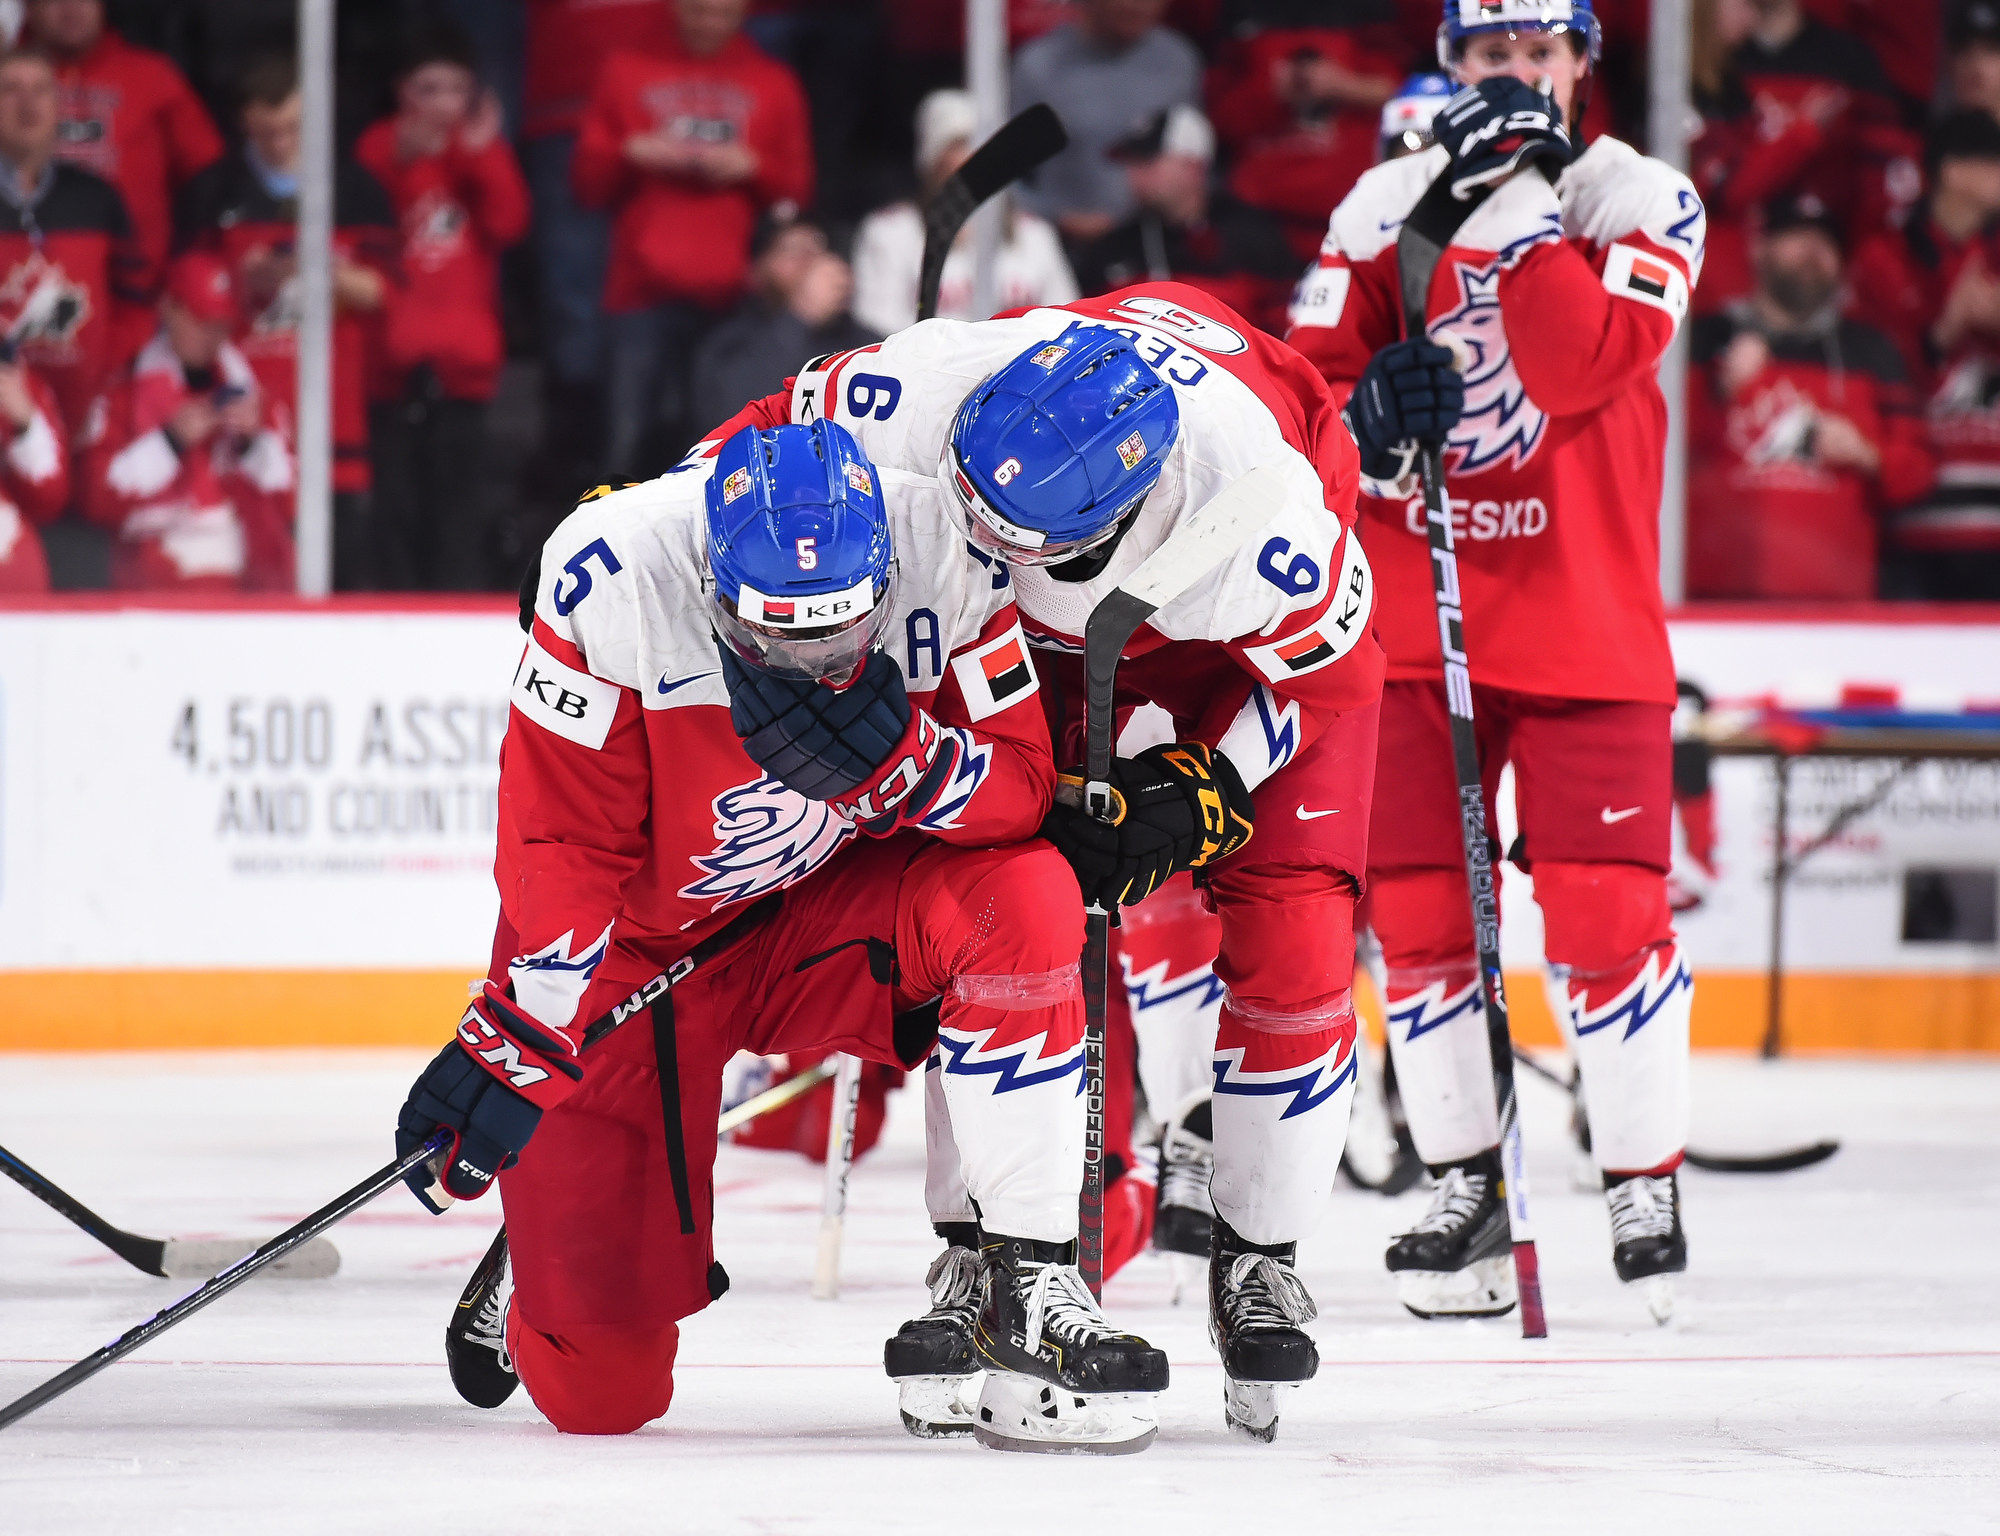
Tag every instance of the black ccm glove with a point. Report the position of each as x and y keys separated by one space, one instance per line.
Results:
x=1184 y=806
x=1410 y=392
x=1496 y=127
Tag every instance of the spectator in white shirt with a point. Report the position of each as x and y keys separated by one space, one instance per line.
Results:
x=889 y=246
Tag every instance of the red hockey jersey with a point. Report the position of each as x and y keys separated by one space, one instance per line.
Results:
x=459 y=210
x=679 y=238
x=1564 y=298
x=625 y=796
x=130 y=116
x=34 y=488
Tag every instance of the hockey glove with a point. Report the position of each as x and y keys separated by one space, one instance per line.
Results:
x=1495 y=128
x=488 y=1088
x=814 y=738
x=1184 y=806
x=1410 y=392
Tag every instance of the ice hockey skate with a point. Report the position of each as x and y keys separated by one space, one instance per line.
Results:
x=1183 y=1212
x=1648 y=1247
x=931 y=1358
x=1257 y=1306
x=1058 y=1377
x=475 y=1340
x=1458 y=1261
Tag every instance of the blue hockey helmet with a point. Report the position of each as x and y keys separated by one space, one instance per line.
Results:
x=1464 y=19
x=1407 y=115
x=799 y=559
x=1047 y=457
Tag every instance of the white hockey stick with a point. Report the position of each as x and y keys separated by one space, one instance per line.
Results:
x=1215 y=531
x=839 y=1164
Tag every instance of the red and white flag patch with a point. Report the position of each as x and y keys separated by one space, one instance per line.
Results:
x=1631 y=273
x=996 y=675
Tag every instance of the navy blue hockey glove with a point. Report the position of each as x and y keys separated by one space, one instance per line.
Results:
x=1184 y=805
x=818 y=740
x=1408 y=393
x=1494 y=128
x=488 y=1088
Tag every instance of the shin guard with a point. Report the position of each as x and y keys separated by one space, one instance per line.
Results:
x=1627 y=999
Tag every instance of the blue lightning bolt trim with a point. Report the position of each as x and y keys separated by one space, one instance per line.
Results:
x=1281 y=735
x=1413 y=1012
x=1634 y=1006
x=1006 y=1070
x=1140 y=988
x=1300 y=1088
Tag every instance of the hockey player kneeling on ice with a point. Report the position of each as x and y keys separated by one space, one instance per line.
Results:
x=771 y=782
x=1071 y=442
x=1557 y=296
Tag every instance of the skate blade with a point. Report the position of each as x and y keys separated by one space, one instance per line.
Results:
x=938 y=1407
x=200 y=1257
x=1584 y=1177
x=1020 y=1413
x=1190 y=1275
x=1482 y=1289
x=1250 y=1408
x=1657 y=1291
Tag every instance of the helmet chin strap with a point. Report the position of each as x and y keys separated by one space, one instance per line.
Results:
x=1091 y=564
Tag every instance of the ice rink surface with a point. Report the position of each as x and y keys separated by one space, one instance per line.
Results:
x=1836 y=1367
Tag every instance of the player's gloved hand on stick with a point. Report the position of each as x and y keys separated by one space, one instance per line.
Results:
x=1495 y=128
x=1410 y=392
x=1184 y=806
x=488 y=1088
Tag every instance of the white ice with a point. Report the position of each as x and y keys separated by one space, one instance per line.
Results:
x=1837 y=1368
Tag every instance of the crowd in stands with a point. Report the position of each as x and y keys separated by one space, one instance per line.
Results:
x=571 y=234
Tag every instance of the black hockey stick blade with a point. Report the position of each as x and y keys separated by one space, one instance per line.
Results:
x=1769 y=1162
x=1713 y=1162
x=218 y=1286
x=1023 y=142
x=171 y=1258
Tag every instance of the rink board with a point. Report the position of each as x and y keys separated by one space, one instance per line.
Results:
x=272 y=824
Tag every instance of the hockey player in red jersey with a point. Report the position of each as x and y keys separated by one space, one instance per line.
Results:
x=1071 y=441
x=771 y=781
x=1557 y=296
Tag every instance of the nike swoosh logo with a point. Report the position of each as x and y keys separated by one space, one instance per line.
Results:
x=1612 y=818
x=1306 y=815
x=682 y=682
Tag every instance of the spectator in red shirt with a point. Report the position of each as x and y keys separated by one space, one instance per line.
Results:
x=245 y=208
x=568 y=42
x=69 y=271
x=1935 y=287
x=686 y=146
x=460 y=198
x=1803 y=109
x=191 y=471
x=34 y=474
x=1803 y=426
x=1297 y=108
x=127 y=114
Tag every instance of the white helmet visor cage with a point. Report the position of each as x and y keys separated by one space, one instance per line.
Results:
x=1009 y=541
x=772 y=642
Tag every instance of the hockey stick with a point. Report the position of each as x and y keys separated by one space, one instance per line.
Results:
x=1197 y=547
x=297 y=1236
x=839 y=1164
x=172 y=1258
x=1023 y=142
x=775 y=1097
x=1714 y=1162
x=1419 y=246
